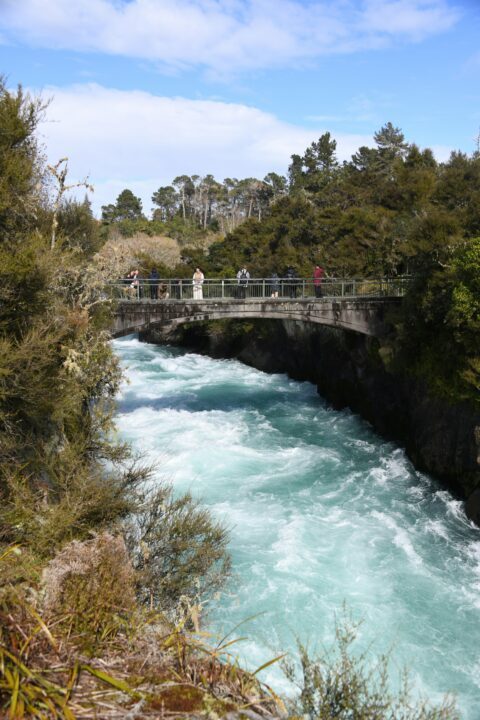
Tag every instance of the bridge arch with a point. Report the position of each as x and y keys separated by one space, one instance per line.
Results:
x=362 y=316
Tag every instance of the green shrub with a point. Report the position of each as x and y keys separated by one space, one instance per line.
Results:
x=343 y=685
x=178 y=550
x=440 y=332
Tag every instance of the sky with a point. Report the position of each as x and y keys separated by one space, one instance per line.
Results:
x=142 y=91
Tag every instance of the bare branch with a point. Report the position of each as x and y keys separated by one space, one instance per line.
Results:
x=59 y=172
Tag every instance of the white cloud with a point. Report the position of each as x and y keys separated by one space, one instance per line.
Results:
x=413 y=18
x=222 y=35
x=141 y=141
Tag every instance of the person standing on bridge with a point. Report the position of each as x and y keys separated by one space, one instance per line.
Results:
x=198 y=278
x=274 y=282
x=318 y=275
x=135 y=285
x=291 y=280
x=153 y=282
x=243 y=276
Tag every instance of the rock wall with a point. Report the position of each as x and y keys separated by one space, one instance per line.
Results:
x=440 y=438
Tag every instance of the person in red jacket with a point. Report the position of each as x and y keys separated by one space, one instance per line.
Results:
x=318 y=275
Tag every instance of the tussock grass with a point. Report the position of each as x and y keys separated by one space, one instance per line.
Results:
x=78 y=646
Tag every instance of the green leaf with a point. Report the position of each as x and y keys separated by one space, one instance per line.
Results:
x=270 y=662
x=110 y=680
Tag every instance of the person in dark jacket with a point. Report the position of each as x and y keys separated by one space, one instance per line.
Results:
x=274 y=284
x=291 y=282
x=153 y=282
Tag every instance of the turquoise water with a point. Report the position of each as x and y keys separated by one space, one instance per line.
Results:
x=321 y=510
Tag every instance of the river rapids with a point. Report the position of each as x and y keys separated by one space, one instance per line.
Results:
x=321 y=511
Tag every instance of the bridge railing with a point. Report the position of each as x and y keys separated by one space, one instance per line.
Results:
x=257 y=288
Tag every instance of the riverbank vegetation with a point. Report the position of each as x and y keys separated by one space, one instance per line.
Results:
x=92 y=560
x=104 y=580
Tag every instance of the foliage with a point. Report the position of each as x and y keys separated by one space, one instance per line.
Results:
x=127 y=207
x=382 y=213
x=20 y=163
x=43 y=513
x=62 y=475
x=390 y=210
x=440 y=338
x=78 y=227
x=178 y=550
x=341 y=685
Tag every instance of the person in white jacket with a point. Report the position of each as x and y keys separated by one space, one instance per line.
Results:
x=198 y=278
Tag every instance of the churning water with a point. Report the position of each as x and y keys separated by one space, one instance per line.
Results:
x=321 y=510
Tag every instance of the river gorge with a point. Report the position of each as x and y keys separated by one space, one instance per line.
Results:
x=321 y=511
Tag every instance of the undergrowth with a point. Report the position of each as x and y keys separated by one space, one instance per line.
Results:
x=342 y=683
x=77 y=645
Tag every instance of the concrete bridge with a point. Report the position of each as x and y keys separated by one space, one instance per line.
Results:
x=362 y=316
x=356 y=305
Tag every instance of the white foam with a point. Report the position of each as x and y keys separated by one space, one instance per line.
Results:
x=400 y=537
x=436 y=527
x=319 y=509
x=455 y=508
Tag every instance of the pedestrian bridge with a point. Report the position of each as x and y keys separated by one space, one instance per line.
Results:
x=355 y=305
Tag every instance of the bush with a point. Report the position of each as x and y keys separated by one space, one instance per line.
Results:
x=178 y=550
x=441 y=325
x=90 y=587
x=44 y=511
x=340 y=685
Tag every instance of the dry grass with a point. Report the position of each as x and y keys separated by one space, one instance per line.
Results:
x=120 y=254
x=147 y=668
x=90 y=590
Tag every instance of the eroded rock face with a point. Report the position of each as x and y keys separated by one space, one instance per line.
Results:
x=440 y=438
x=472 y=506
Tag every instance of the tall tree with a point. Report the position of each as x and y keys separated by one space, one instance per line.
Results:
x=166 y=200
x=20 y=162
x=321 y=156
x=277 y=183
x=186 y=189
x=127 y=207
x=295 y=174
x=391 y=146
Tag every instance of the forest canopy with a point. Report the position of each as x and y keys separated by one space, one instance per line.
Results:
x=392 y=209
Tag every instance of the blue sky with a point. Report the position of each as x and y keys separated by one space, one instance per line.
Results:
x=144 y=90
